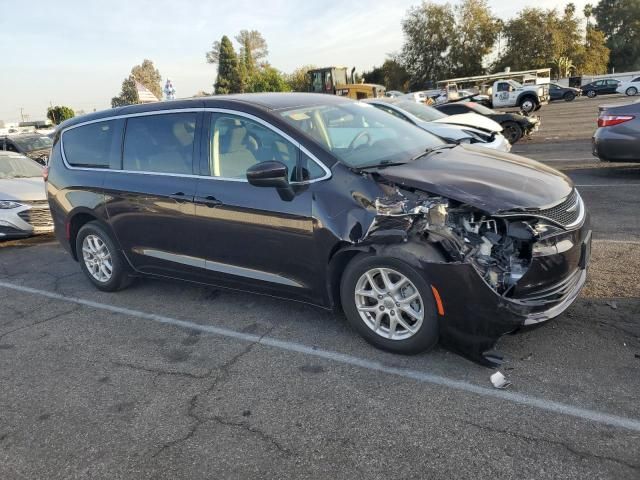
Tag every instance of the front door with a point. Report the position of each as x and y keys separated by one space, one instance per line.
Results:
x=254 y=238
x=150 y=199
x=502 y=95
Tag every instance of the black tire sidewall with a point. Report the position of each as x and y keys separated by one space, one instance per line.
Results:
x=515 y=126
x=427 y=336
x=120 y=274
x=569 y=97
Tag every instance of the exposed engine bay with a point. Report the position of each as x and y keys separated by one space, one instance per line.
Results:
x=500 y=249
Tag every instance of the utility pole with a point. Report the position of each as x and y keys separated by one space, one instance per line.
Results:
x=21 y=114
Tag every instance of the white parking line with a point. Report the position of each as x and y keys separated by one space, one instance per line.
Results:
x=420 y=376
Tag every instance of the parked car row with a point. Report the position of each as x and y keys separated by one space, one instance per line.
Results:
x=34 y=145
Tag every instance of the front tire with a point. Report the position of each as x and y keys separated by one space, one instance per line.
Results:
x=512 y=131
x=591 y=94
x=569 y=97
x=631 y=91
x=100 y=259
x=390 y=304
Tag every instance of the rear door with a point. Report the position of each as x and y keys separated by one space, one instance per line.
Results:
x=150 y=197
x=611 y=86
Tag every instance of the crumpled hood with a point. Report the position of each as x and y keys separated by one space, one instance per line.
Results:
x=486 y=179
x=472 y=120
x=22 y=189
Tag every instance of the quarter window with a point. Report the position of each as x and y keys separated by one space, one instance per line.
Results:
x=237 y=143
x=160 y=143
x=95 y=145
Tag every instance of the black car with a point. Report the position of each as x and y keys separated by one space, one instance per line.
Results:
x=600 y=87
x=514 y=125
x=32 y=145
x=558 y=92
x=617 y=138
x=323 y=200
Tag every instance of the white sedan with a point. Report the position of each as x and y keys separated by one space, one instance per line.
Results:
x=24 y=209
x=630 y=88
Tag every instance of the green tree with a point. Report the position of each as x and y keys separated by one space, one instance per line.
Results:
x=429 y=31
x=253 y=49
x=128 y=93
x=267 y=79
x=477 y=30
x=530 y=40
x=298 y=80
x=148 y=75
x=588 y=13
x=619 y=20
x=391 y=74
x=228 y=80
x=59 y=114
x=593 y=58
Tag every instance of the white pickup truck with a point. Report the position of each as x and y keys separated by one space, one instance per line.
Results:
x=509 y=93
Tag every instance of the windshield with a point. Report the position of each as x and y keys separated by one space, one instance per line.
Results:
x=481 y=109
x=29 y=144
x=17 y=166
x=428 y=114
x=360 y=135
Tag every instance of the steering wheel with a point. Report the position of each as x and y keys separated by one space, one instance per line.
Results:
x=360 y=135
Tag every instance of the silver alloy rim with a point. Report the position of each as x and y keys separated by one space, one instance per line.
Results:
x=591 y=94
x=389 y=303
x=97 y=258
x=632 y=91
x=527 y=105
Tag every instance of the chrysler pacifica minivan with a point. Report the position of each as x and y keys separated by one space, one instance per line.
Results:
x=323 y=200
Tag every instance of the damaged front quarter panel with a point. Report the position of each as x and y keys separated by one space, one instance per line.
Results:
x=477 y=262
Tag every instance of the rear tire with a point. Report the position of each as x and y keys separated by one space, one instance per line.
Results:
x=528 y=104
x=631 y=91
x=373 y=310
x=512 y=131
x=100 y=259
x=569 y=97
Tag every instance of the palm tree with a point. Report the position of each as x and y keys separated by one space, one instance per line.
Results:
x=588 y=13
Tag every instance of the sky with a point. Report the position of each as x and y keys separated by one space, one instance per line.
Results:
x=77 y=52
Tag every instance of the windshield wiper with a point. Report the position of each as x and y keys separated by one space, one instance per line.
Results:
x=382 y=164
x=434 y=149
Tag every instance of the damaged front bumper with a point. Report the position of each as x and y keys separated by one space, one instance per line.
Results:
x=476 y=316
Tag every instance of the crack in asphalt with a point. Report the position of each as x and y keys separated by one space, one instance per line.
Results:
x=39 y=322
x=566 y=446
x=160 y=371
x=252 y=429
x=199 y=420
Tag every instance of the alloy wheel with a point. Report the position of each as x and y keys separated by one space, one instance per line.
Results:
x=631 y=91
x=528 y=105
x=389 y=303
x=97 y=258
x=591 y=94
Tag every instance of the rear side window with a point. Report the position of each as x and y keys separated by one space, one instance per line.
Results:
x=160 y=143
x=96 y=145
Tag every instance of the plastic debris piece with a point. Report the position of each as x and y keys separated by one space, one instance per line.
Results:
x=613 y=305
x=499 y=381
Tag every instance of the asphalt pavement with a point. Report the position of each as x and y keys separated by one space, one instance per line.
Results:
x=168 y=381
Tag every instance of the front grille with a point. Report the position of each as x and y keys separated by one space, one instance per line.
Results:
x=566 y=213
x=38 y=215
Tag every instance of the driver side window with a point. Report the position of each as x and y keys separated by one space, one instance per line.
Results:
x=237 y=143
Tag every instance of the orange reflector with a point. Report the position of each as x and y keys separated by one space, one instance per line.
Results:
x=436 y=295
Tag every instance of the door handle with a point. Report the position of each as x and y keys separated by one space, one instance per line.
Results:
x=180 y=197
x=209 y=201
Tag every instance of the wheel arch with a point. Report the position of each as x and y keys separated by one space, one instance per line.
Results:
x=78 y=219
x=414 y=252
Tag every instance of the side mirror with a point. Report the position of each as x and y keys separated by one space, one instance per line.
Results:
x=269 y=174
